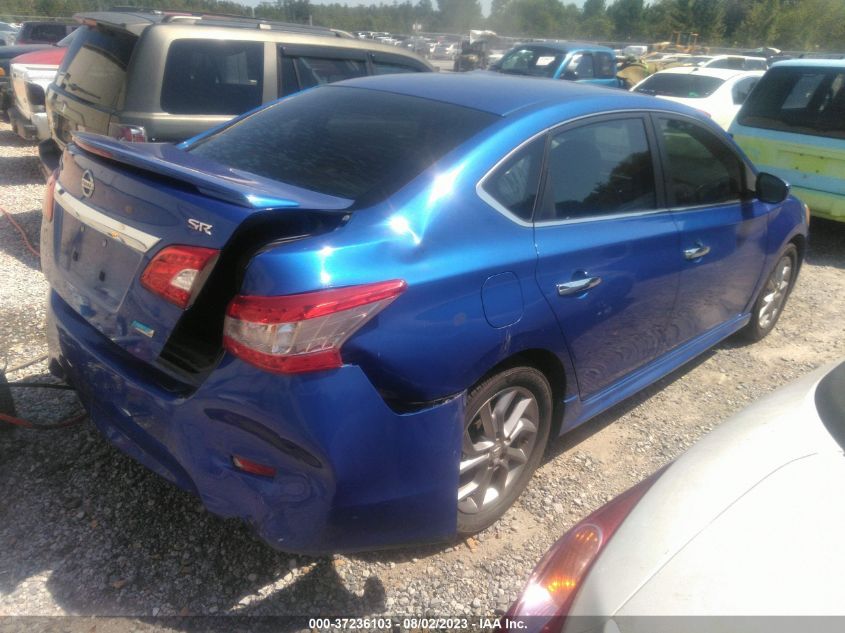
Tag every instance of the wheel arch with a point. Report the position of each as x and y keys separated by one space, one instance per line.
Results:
x=551 y=367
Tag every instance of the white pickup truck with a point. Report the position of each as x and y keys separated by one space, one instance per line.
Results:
x=30 y=75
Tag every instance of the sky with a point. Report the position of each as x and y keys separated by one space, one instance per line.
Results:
x=485 y=4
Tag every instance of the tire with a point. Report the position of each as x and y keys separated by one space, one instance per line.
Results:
x=507 y=420
x=769 y=305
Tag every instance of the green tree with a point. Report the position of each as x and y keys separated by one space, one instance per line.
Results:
x=627 y=17
x=459 y=15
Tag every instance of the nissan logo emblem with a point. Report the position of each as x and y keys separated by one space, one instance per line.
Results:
x=87 y=184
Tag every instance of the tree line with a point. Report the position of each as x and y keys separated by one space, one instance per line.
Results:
x=786 y=24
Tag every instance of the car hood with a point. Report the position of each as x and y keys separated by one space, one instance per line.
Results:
x=9 y=52
x=52 y=56
x=709 y=511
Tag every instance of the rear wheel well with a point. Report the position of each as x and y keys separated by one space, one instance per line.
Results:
x=546 y=362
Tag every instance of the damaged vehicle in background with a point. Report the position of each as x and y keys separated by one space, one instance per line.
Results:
x=354 y=318
x=715 y=532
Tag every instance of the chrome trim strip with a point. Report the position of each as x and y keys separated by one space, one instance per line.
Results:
x=100 y=222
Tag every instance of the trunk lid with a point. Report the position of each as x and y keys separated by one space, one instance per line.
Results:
x=137 y=200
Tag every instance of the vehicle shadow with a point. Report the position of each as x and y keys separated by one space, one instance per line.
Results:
x=826 y=244
x=20 y=170
x=11 y=241
x=10 y=139
x=115 y=539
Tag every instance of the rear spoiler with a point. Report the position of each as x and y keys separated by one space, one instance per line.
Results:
x=210 y=178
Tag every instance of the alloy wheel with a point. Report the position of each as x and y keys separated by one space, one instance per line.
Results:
x=775 y=293
x=497 y=445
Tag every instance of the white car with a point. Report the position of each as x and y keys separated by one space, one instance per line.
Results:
x=748 y=522
x=717 y=92
x=736 y=62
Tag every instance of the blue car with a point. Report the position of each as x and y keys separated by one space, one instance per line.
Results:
x=587 y=63
x=354 y=318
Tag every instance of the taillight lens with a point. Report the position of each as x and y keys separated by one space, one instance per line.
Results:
x=131 y=133
x=49 y=197
x=550 y=591
x=303 y=332
x=177 y=272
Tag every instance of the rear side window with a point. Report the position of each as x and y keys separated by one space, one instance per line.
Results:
x=677 y=85
x=599 y=169
x=46 y=32
x=515 y=182
x=700 y=168
x=212 y=77
x=800 y=100
x=348 y=142
x=94 y=69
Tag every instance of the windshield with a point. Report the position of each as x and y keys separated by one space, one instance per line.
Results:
x=348 y=142
x=799 y=100
x=537 y=61
x=676 y=85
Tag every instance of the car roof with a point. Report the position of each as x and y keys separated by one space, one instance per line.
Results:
x=719 y=73
x=810 y=63
x=503 y=95
x=565 y=47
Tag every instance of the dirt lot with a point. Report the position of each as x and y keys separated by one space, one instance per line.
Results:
x=84 y=530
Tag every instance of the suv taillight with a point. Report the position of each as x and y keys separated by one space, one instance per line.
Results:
x=304 y=332
x=176 y=272
x=130 y=133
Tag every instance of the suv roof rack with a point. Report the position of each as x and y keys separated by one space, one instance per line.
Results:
x=224 y=19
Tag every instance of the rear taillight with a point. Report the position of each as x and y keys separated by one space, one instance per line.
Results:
x=131 y=133
x=177 y=272
x=550 y=591
x=304 y=332
x=49 y=197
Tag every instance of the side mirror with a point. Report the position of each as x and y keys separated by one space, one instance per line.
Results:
x=570 y=75
x=771 y=189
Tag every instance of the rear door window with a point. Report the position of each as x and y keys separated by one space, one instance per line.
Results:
x=212 y=77
x=46 y=32
x=94 y=69
x=315 y=65
x=800 y=100
x=602 y=168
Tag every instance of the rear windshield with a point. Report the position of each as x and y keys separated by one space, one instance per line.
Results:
x=800 y=100
x=685 y=86
x=44 y=32
x=348 y=142
x=537 y=61
x=212 y=77
x=94 y=68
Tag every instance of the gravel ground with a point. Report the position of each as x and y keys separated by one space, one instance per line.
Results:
x=86 y=531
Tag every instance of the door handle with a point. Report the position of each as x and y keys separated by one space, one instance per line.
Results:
x=578 y=286
x=697 y=251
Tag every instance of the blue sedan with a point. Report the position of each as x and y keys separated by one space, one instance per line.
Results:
x=355 y=318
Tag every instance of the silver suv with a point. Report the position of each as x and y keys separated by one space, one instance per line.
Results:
x=165 y=77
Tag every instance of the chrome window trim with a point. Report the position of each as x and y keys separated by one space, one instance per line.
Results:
x=133 y=238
